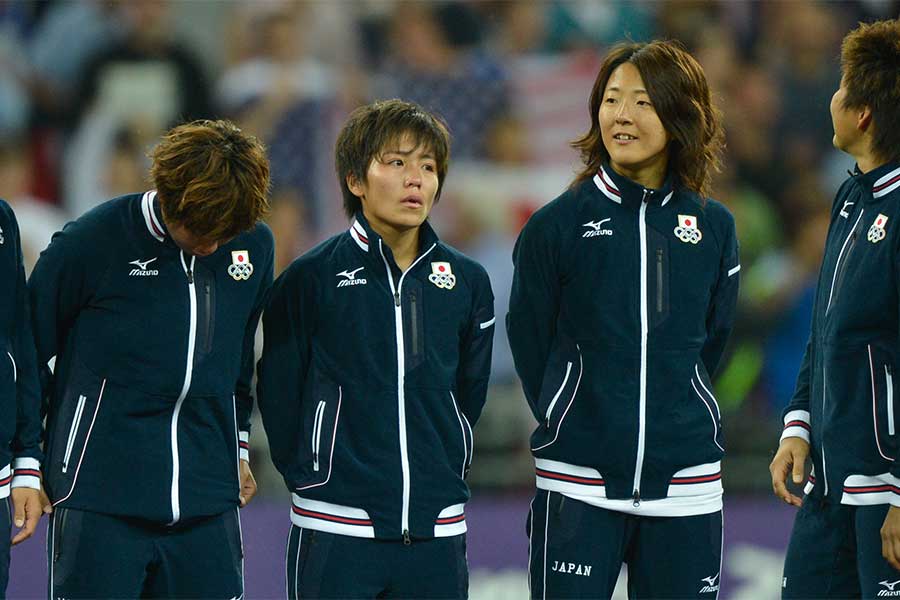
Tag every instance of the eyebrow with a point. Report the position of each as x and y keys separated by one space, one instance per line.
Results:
x=407 y=152
x=637 y=91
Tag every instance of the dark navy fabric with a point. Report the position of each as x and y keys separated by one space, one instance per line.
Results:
x=329 y=392
x=846 y=384
x=577 y=550
x=114 y=304
x=575 y=328
x=835 y=552
x=92 y=555
x=327 y=565
x=20 y=422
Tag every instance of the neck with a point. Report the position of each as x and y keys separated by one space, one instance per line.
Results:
x=868 y=162
x=651 y=176
x=404 y=243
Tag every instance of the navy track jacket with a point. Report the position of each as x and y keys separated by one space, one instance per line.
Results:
x=371 y=381
x=845 y=402
x=622 y=301
x=20 y=424
x=154 y=359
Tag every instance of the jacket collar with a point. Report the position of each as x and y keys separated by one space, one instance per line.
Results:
x=881 y=181
x=152 y=214
x=366 y=237
x=620 y=189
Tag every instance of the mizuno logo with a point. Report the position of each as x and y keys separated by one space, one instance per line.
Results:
x=351 y=278
x=595 y=228
x=711 y=585
x=890 y=591
x=142 y=270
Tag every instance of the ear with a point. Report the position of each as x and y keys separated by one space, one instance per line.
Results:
x=864 y=118
x=355 y=186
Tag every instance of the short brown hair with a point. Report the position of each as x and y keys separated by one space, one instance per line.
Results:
x=371 y=129
x=211 y=178
x=870 y=64
x=680 y=94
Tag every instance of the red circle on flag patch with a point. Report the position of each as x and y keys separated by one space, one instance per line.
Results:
x=687 y=221
x=879 y=221
x=240 y=258
x=441 y=268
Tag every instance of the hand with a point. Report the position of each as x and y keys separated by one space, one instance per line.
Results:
x=791 y=456
x=27 y=511
x=248 y=484
x=890 y=537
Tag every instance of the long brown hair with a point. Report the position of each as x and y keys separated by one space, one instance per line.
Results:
x=680 y=94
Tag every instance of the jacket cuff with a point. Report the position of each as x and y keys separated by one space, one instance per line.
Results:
x=244 y=445
x=26 y=473
x=796 y=424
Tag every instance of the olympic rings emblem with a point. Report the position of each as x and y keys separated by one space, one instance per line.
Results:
x=240 y=272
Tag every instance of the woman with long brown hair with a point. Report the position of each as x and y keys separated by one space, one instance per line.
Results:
x=623 y=298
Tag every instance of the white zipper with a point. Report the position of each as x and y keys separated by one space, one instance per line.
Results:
x=73 y=429
x=642 y=414
x=462 y=428
x=890 y=399
x=188 y=372
x=558 y=393
x=401 y=375
x=837 y=266
x=317 y=433
x=13 y=361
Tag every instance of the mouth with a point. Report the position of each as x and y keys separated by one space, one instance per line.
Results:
x=624 y=138
x=412 y=202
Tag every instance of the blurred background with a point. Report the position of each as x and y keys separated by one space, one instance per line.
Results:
x=87 y=87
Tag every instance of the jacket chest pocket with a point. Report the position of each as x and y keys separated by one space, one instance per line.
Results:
x=884 y=428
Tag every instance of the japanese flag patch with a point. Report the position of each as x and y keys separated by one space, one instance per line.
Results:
x=687 y=230
x=442 y=275
x=240 y=268
x=877 y=231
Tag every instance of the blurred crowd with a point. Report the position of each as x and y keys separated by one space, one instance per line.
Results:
x=87 y=87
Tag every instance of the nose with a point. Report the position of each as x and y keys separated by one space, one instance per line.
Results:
x=623 y=115
x=414 y=178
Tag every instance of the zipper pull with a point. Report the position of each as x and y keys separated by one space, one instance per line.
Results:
x=190 y=274
x=396 y=298
x=636 y=499
x=406 y=540
x=315 y=461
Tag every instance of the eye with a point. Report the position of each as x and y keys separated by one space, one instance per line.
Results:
x=609 y=101
x=397 y=162
x=644 y=103
x=429 y=167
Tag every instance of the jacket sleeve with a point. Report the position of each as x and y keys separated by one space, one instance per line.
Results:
x=475 y=349
x=242 y=392
x=534 y=303
x=720 y=316
x=287 y=331
x=796 y=415
x=61 y=284
x=26 y=442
